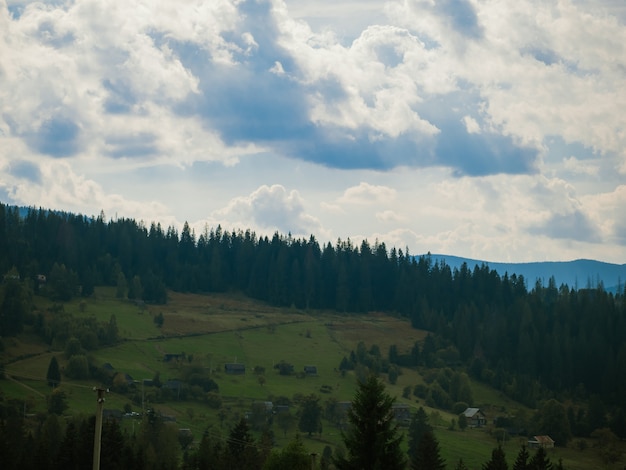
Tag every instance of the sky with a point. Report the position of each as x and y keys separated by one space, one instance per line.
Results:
x=487 y=129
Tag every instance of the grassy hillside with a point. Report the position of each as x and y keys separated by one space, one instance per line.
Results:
x=214 y=329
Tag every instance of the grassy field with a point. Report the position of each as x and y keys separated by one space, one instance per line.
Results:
x=212 y=330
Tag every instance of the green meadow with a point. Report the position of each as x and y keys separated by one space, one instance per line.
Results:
x=209 y=331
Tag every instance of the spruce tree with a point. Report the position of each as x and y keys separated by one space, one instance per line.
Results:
x=53 y=376
x=498 y=460
x=241 y=451
x=372 y=440
x=418 y=426
x=521 y=462
x=427 y=456
x=540 y=460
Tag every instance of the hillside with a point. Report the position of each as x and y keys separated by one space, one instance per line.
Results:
x=211 y=330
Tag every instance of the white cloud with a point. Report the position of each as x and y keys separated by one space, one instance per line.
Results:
x=61 y=187
x=575 y=165
x=366 y=193
x=98 y=98
x=270 y=208
x=471 y=125
x=390 y=216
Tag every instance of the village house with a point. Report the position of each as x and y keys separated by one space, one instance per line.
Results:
x=401 y=413
x=234 y=368
x=536 y=442
x=475 y=418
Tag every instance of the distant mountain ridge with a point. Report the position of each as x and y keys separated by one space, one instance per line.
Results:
x=579 y=274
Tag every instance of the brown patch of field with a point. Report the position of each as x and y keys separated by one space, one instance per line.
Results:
x=187 y=314
x=376 y=328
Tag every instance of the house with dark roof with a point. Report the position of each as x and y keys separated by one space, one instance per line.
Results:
x=475 y=417
x=234 y=368
x=310 y=370
x=401 y=413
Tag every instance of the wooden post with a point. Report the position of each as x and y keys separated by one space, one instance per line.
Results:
x=98 y=433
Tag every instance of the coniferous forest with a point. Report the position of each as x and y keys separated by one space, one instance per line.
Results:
x=533 y=342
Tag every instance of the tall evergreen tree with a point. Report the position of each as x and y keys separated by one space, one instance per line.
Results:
x=540 y=460
x=417 y=428
x=241 y=450
x=497 y=461
x=53 y=376
x=372 y=440
x=427 y=456
x=521 y=462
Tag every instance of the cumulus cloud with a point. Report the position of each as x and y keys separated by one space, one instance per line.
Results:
x=507 y=116
x=271 y=208
x=56 y=185
x=575 y=165
x=366 y=193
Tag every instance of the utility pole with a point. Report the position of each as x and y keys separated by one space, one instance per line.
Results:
x=98 y=433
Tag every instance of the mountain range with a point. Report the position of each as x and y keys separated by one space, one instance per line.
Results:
x=578 y=274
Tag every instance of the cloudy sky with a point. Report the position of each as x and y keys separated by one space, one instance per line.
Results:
x=491 y=129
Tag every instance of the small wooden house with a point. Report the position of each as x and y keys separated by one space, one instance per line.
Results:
x=310 y=370
x=536 y=442
x=401 y=413
x=475 y=418
x=234 y=368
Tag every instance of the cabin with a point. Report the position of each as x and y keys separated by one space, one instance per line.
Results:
x=234 y=368
x=401 y=413
x=475 y=418
x=536 y=442
x=310 y=370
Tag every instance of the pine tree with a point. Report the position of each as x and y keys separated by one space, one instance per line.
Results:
x=498 y=460
x=540 y=460
x=241 y=450
x=418 y=426
x=53 y=376
x=373 y=440
x=521 y=462
x=427 y=456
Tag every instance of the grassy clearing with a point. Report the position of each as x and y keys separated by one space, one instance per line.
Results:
x=215 y=329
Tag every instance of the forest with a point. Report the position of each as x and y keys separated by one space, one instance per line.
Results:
x=531 y=341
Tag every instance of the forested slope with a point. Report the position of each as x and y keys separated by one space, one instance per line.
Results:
x=532 y=342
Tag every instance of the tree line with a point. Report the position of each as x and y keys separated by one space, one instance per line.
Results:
x=372 y=440
x=530 y=340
